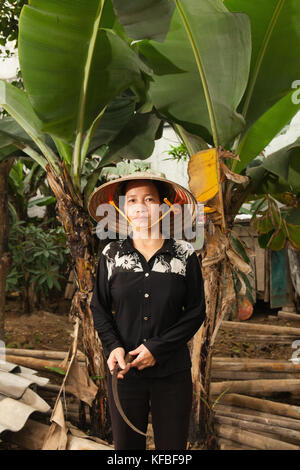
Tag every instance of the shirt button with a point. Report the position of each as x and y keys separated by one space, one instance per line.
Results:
x=144 y=339
x=147 y=274
x=146 y=295
x=145 y=318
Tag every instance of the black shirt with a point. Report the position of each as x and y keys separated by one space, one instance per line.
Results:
x=159 y=303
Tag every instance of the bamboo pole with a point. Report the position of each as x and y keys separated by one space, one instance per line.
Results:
x=229 y=374
x=271 y=329
x=257 y=416
x=226 y=444
x=53 y=388
x=39 y=364
x=42 y=354
x=289 y=316
x=245 y=359
x=254 y=440
x=256 y=386
x=283 y=434
x=268 y=339
x=244 y=401
x=256 y=366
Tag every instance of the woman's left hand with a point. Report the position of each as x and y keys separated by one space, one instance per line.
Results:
x=144 y=358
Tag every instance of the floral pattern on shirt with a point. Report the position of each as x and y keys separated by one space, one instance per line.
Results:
x=126 y=262
x=129 y=262
x=177 y=264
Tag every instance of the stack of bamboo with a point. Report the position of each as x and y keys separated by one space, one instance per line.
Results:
x=42 y=360
x=36 y=359
x=255 y=401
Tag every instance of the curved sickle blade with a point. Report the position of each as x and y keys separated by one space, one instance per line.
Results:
x=116 y=395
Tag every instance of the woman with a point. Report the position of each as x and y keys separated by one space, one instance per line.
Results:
x=155 y=287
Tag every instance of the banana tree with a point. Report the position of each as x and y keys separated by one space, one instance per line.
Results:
x=224 y=74
x=194 y=62
x=85 y=95
x=275 y=182
x=5 y=257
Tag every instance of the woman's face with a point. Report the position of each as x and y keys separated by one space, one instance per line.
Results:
x=142 y=203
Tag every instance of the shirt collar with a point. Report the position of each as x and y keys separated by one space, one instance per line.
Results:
x=128 y=247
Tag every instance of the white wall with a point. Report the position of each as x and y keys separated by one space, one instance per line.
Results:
x=292 y=133
x=173 y=170
x=8 y=67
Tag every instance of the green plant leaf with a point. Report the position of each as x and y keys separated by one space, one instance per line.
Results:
x=56 y=369
x=117 y=114
x=239 y=248
x=263 y=240
x=72 y=67
x=265 y=129
x=10 y=131
x=294 y=234
x=293 y=217
x=135 y=141
x=278 y=173
x=277 y=240
x=16 y=103
x=275 y=26
x=10 y=151
x=145 y=19
x=263 y=224
x=96 y=377
x=284 y=163
x=205 y=52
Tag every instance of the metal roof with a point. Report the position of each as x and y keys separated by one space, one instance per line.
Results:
x=17 y=398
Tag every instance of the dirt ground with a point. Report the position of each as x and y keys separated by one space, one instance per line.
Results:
x=51 y=329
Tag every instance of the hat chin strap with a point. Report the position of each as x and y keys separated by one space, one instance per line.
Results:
x=149 y=226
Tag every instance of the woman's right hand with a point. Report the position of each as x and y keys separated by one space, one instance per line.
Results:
x=117 y=356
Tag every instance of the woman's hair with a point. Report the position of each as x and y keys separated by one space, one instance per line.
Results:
x=162 y=189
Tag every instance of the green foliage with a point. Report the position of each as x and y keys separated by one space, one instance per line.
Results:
x=231 y=77
x=38 y=255
x=277 y=223
x=96 y=377
x=178 y=153
x=206 y=50
x=9 y=17
x=150 y=19
x=18 y=82
x=58 y=370
x=74 y=64
x=24 y=180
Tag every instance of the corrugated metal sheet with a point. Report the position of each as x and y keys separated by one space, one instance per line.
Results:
x=17 y=399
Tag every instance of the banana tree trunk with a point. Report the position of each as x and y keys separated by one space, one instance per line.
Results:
x=5 y=256
x=220 y=295
x=77 y=225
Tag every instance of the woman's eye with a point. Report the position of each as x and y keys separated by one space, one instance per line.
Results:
x=147 y=199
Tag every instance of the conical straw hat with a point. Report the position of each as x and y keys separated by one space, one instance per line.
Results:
x=117 y=223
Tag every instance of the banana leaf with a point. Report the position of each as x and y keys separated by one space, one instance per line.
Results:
x=278 y=173
x=72 y=64
x=275 y=32
x=265 y=129
x=135 y=140
x=201 y=69
x=147 y=19
x=268 y=103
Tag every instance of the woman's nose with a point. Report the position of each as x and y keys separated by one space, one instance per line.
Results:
x=140 y=208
